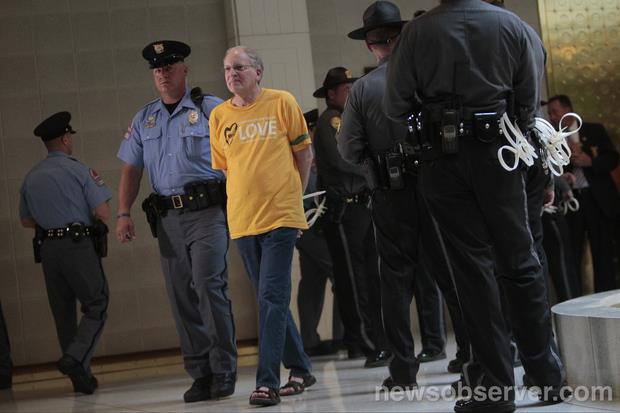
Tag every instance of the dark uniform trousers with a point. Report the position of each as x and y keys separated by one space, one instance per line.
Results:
x=352 y=248
x=592 y=219
x=482 y=211
x=535 y=182
x=430 y=310
x=73 y=271
x=193 y=247
x=6 y=366
x=558 y=248
x=397 y=228
x=316 y=268
x=435 y=260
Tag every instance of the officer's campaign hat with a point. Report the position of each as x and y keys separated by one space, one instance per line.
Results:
x=335 y=76
x=378 y=14
x=165 y=52
x=54 y=127
x=311 y=117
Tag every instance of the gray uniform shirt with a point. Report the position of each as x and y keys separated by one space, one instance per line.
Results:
x=365 y=129
x=334 y=172
x=469 y=48
x=60 y=190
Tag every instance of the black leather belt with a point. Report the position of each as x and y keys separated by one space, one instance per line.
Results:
x=198 y=195
x=75 y=231
x=175 y=201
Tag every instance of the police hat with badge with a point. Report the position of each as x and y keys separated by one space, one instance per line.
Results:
x=165 y=52
x=335 y=76
x=54 y=127
x=378 y=14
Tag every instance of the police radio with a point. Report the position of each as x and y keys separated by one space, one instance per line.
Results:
x=394 y=164
x=449 y=134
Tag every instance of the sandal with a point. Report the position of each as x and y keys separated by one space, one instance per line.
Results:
x=260 y=397
x=293 y=387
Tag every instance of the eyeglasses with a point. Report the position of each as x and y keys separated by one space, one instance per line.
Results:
x=236 y=68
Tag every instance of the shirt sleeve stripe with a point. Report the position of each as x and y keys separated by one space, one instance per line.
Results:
x=299 y=139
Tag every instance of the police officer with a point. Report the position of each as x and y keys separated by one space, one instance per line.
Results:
x=62 y=199
x=367 y=137
x=6 y=365
x=348 y=230
x=462 y=87
x=315 y=265
x=170 y=138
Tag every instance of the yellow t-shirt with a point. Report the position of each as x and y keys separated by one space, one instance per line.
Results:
x=255 y=145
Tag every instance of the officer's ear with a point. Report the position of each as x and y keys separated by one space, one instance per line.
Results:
x=368 y=45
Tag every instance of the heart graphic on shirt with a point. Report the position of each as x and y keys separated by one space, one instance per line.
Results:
x=230 y=132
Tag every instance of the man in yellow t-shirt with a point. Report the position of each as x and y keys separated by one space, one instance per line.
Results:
x=260 y=139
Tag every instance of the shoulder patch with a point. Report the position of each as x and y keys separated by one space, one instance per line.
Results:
x=129 y=129
x=96 y=177
x=335 y=122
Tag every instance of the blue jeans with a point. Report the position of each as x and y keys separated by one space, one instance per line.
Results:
x=267 y=259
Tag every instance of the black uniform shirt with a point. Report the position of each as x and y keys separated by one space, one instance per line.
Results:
x=468 y=48
x=333 y=171
x=365 y=129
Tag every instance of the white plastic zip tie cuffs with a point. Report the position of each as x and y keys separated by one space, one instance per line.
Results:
x=314 y=213
x=553 y=140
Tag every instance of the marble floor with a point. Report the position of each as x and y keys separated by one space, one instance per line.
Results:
x=342 y=386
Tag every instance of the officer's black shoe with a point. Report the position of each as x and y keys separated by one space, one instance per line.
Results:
x=324 y=348
x=6 y=381
x=456 y=365
x=425 y=356
x=550 y=394
x=94 y=381
x=223 y=385
x=200 y=390
x=389 y=384
x=486 y=406
x=379 y=358
x=81 y=380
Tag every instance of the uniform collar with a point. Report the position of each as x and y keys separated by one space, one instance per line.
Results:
x=55 y=154
x=384 y=61
x=186 y=102
x=333 y=107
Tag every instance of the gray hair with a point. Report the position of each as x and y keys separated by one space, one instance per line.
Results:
x=252 y=54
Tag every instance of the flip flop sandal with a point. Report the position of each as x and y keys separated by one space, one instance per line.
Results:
x=269 y=397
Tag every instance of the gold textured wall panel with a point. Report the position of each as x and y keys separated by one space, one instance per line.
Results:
x=582 y=38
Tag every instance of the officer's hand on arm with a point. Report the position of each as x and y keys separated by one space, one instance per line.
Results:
x=127 y=192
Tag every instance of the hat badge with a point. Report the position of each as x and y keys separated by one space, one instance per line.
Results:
x=347 y=73
x=159 y=48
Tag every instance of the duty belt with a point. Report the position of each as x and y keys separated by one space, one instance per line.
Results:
x=198 y=195
x=359 y=198
x=74 y=231
x=176 y=201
